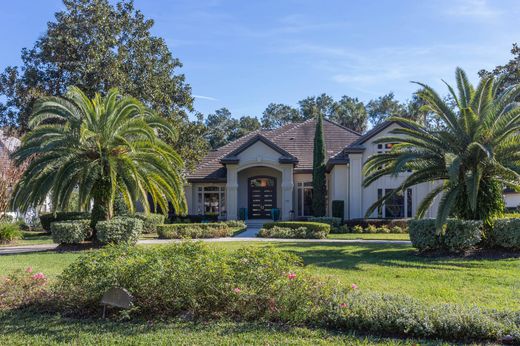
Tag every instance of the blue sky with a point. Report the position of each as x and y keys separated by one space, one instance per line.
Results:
x=246 y=54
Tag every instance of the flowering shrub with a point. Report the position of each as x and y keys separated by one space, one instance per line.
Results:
x=9 y=232
x=22 y=288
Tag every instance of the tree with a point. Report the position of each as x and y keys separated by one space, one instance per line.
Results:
x=245 y=125
x=95 y=46
x=220 y=126
x=510 y=72
x=102 y=147
x=319 y=189
x=384 y=107
x=10 y=174
x=351 y=113
x=311 y=106
x=277 y=114
x=473 y=157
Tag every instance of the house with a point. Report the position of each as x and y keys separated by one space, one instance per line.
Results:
x=272 y=169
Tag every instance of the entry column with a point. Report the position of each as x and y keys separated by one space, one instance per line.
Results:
x=287 y=191
x=232 y=192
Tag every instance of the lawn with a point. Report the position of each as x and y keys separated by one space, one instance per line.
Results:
x=387 y=268
x=32 y=238
x=24 y=328
x=370 y=236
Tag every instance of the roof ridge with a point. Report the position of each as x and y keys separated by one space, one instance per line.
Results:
x=296 y=125
x=343 y=127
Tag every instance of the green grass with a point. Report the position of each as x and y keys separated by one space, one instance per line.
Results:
x=370 y=236
x=31 y=238
x=389 y=268
x=24 y=328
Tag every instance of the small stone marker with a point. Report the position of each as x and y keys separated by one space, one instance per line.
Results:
x=118 y=297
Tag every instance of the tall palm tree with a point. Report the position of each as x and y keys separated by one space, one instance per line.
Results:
x=473 y=156
x=102 y=147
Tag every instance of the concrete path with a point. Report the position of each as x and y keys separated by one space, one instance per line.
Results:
x=49 y=247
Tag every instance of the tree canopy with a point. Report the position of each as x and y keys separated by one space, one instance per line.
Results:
x=222 y=128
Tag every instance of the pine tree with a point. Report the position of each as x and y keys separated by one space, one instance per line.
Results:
x=318 y=170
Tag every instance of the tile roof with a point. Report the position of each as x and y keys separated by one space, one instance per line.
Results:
x=296 y=138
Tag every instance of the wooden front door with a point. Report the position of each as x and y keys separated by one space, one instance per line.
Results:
x=261 y=197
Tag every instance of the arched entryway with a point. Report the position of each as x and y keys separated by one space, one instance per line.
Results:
x=261 y=196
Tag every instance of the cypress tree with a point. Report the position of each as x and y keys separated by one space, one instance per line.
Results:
x=318 y=170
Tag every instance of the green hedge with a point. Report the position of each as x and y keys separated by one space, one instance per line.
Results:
x=70 y=232
x=311 y=226
x=338 y=209
x=457 y=235
x=150 y=221
x=291 y=233
x=121 y=229
x=334 y=222
x=48 y=218
x=194 y=230
x=506 y=233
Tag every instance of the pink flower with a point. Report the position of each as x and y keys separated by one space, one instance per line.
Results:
x=354 y=286
x=28 y=270
x=237 y=290
x=38 y=276
x=291 y=276
x=343 y=305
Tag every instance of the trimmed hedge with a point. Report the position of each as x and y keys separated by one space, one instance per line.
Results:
x=120 y=229
x=192 y=230
x=403 y=223
x=195 y=218
x=150 y=221
x=506 y=233
x=458 y=235
x=334 y=222
x=48 y=218
x=311 y=226
x=70 y=232
x=290 y=233
x=338 y=209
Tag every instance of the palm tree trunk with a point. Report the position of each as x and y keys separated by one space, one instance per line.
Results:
x=101 y=208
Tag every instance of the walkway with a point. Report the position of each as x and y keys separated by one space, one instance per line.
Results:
x=49 y=247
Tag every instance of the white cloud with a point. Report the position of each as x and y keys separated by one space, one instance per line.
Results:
x=201 y=97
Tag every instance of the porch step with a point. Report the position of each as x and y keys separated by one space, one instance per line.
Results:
x=256 y=223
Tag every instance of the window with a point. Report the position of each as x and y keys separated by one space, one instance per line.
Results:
x=395 y=207
x=211 y=200
x=304 y=198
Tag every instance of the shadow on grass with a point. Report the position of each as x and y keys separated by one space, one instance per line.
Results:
x=352 y=256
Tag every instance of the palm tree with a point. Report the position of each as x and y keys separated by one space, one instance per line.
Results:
x=102 y=147
x=473 y=156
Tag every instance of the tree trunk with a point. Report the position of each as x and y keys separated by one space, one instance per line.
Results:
x=101 y=210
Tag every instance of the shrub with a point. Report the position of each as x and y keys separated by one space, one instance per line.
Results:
x=423 y=235
x=458 y=235
x=120 y=229
x=292 y=233
x=236 y=223
x=462 y=234
x=193 y=230
x=9 y=232
x=506 y=233
x=403 y=223
x=357 y=229
x=70 y=232
x=338 y=209
x=48 y=218
x=341 y=230
x=195 y=218
x=397 y=229
x=150 y=221
x=383 y=229
x=311 y=226
x=371 y=229
x=22 y=288
x=332 y=221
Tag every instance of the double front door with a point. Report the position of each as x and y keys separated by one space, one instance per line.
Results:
x=261 y=197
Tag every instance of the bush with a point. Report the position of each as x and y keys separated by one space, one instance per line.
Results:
x=119 y=230
x=357 y=229
x=338 y=209
x=193 y=280
x=458 y=235
x=462 y=234
x=70 y=232
x=9 y=232
x=311 y=226
x=403 y=223
x=194 y=230
x=22 y=288
x=236 y=223
x=195 y=218
x=291 y=233
x=150 y=221
x=423 y=235
x=48 y=218
x=383 y=229
x=397 y=229
x=371 y=229
x=332 y=221
x=506 y=233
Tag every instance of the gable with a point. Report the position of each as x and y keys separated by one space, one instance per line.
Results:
x=259 y=151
